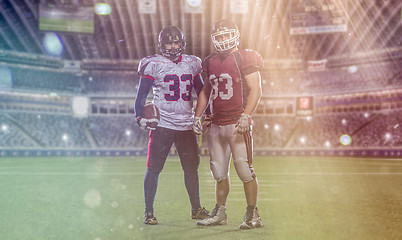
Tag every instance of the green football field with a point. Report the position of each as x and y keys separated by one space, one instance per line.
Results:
x=93 y=198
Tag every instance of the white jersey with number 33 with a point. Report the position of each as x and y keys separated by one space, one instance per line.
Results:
x=172 y=88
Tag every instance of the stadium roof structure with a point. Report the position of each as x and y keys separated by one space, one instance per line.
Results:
x=130 y=31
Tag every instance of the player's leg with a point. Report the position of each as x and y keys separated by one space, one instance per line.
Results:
x=222 y=189
x=242 y=159
x=160 y=142
x=219 y=163
x=187 y=147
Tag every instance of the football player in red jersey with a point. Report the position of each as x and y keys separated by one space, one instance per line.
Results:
x=233 y=85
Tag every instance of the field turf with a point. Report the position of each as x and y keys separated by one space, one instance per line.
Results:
x=92 y=198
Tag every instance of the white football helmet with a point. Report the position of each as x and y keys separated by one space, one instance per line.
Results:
x=225 y=35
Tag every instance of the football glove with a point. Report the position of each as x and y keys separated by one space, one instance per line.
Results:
x=197 y=125
x=244 y=124
x=143 y=123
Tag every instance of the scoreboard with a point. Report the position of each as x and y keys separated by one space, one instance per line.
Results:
x=304 y=106
x=66 y=18
x=317 y=16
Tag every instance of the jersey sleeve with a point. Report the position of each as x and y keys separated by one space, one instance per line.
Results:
x=251 y=62
x=146 y=68
x=196 y=64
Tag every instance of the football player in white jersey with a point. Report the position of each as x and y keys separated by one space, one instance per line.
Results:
x=172 y=76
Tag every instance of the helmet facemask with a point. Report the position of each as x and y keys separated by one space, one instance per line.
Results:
x=174 y=52
x=171 y=35
x=225 y=39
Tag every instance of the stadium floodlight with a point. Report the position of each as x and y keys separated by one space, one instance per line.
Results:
x=352 y=69
x=194 y=3
x=193 y=6
x=345 y=139
x=103 y=9
x=388 y=136
x=52 y=44
x=64 y=137
x=344 y=121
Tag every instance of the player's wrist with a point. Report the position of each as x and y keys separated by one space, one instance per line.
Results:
x=245 y=115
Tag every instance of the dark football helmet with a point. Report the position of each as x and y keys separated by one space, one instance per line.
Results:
x=168 y=35
x=225 y=35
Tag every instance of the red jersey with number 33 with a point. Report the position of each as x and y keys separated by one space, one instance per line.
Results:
x=229 y=91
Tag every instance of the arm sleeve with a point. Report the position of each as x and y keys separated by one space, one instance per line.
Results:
x=142 y=93
x=198 y=84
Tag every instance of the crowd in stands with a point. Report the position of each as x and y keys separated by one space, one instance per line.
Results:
x=276 y=82
x=333 y=80
x=58 y=128
x=112 y=83
x=88 y=83
x=49 y=130
x=11 y=136
x=35 y=79
x=117 y=132
x=366 y=130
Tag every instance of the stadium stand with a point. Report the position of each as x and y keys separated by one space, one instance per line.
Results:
x=51 y=130
x=363 y=102
x=11 y=136
x=110 y=83
x=45 y=80
x=117 y=132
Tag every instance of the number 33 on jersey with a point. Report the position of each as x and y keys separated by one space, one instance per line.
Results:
x=172 y=88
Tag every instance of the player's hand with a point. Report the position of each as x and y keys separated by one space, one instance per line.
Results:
x=244 y=124
x=197 y=126
x=143 y=123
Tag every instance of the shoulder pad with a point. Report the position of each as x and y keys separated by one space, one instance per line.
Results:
x=251 y=58
x=192 y=57
x=145 y=61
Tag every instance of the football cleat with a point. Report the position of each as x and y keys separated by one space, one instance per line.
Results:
x=252 y=219
x=150 y=219
x=200 y=213
x=218 y=217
